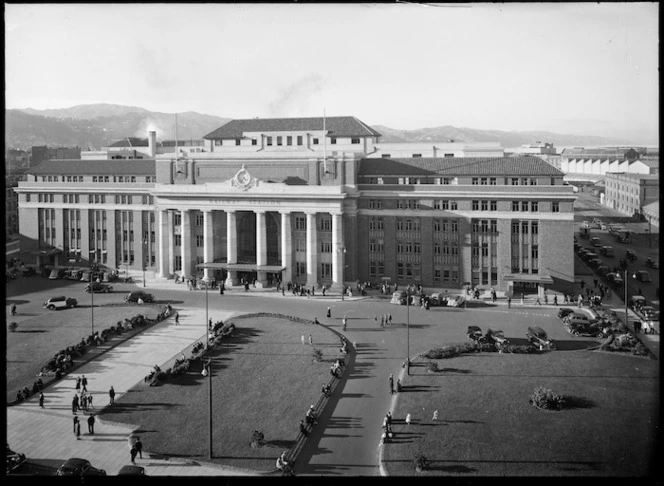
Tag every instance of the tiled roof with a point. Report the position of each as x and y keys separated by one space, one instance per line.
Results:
x=459 y=166
x=131 y=142
x=337 y=126
x=96 y=167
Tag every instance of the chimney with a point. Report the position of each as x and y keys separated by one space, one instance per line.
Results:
x=152 y=143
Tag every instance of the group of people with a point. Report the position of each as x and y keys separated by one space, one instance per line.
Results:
x=385 y=319
x=387 y=428
x=337 y=368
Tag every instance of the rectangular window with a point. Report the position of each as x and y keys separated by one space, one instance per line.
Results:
x=475 y=181
x=200 y=241
x=279 y=140
x=524 y=206
x=238 y=141
x=289 y=140
x=483 y=181
x=453 y=205
x=492 y=181
x=314 y=141
x=269 y=141
x=386 y=156
x=325 y=247
x=534 y=206
x=493 y=206
x=417 y=156
x=555 y=207
x=375 y=204
x=485 y=205
x=535 y=227
x=254 y=141
x=476 y=205
x=299 y=139
x=300 y=223
x=354 y=140
x=445 y=205
x=333 y=140
x=533 y=181
x=515 y=181
x=515 y=205
x=436 y=204
x=177 y=240
x=325 y=224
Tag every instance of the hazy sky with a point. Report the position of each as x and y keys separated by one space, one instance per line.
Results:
x=574 y=68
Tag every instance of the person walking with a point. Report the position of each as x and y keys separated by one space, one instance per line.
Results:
x=382 y=321
x=111 y=394
x=311 y=341
x=521 y=298
x=78 y=384
x=329 y=312
x=74 y=404
x=555 y=299
x=77 y=428
x=84 y=383
x=132 y=447
x=139 y=447
x=389 y=319
x=177 y=318
x=14 y=310
x=41 y=400
x=509 y=302
x=391 y=380
x=91 y=424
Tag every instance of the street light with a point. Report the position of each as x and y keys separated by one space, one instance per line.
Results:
x=92 y=292
x=145 y=259
x=209 y=373
x=408 y=331
x=625 y=283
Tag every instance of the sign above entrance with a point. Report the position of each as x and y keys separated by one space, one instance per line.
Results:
x=244 y=180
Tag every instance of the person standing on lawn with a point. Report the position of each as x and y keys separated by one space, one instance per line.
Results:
x=74 y=404
x=139 y=447
x=391 y=379
x=77 y=428
x=91 y=424
x=41 y=400
x=111 y=394
x=84 y=383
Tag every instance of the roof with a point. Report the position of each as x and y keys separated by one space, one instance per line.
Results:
x=130 y=142
x=599 y=152
x=652 y=208
x=96 y=167
x=338 y=126
x=459 y=166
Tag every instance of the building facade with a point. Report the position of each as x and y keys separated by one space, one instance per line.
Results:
x=300 y=200
x=592 y=164
x=629 y=193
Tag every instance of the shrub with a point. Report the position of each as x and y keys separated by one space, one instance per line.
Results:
x=12 y=326
x=546 y=399
x=159 y=379
x=257 y=438
x=432 y=367
x=640 y=350
x=317 y=354
x=421 y=462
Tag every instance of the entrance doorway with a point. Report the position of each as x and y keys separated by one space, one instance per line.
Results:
x=525 y=288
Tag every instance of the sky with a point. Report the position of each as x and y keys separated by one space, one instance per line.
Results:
x=575 y=68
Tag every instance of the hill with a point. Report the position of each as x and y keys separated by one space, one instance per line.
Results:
x=506 y=139
x=99 y=125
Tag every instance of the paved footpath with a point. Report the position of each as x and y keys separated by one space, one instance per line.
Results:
x=48 y=433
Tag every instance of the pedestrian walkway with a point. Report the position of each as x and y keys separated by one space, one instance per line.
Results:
x=48 y=433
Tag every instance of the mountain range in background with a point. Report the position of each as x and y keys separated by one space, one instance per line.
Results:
x=99 y=125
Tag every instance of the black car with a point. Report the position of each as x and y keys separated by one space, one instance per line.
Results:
x=564 y=312
x=14 y=460
x=132 y=471
x=79 y=467
x=98 y=288
x=139 y=294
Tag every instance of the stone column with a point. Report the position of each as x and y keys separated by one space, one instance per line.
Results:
x=261 y=248
x=312 y=251
x=338 y=253
x=164 y=243
x=208 y=242
x=185 y=233
x=286 y=248
x=231 y=246
x=171 y=242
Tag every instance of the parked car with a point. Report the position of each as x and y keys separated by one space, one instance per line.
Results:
x=497 y=337
x=474 y=333
x=648 y=312
x=590 y=329
x=595 y=241
x=60 y=302
x=14 y=460
x=134 y=295
x=607 y=251
x=603 y=270
x=564 y=312
x=576 y=318
x=98 y=288
x=132 y=471
x=595 y=263
x=630 y=255
x=538 y=337
x=79 y=467
x=29 y=270
x=615 y=278
x=590 y=256
x=651 y=263
x=643 y=276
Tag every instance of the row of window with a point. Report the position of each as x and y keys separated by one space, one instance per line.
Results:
x=475 y=181
x=77 y=178
x=92 y=198
x=476 y=205
x=299 y=140
x=439 y=225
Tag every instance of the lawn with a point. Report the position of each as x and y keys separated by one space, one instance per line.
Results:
x=486 y=426
x=38 y=338
x=263 y=378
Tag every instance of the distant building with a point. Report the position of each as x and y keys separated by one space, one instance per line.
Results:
x=142 y=148
x=592 y=164
x=651 y=213
x=11 y=200
x=537 y=148
x=42 y=153
x=629 y=193
x=435 y=150
x=17 y=158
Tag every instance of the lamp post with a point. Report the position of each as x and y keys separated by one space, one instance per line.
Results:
x=625 y=283
x=92 y=293
x=145 y=259
x=209 y=373
x=408 y=331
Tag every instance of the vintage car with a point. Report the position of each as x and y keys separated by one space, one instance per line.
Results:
x=496 y=336
x=79 y=467
x=399 y=297
x=97 y=287
x=134 y=295
x=474 y=333
x=564 y=312
x=14 y=460
x=60 y=302
x=538 y=337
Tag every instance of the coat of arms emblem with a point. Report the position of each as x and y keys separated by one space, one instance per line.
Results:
x=243 y=179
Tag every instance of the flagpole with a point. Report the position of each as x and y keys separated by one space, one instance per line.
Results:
x=324 y=145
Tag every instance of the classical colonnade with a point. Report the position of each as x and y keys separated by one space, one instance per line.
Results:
x=167 y=245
